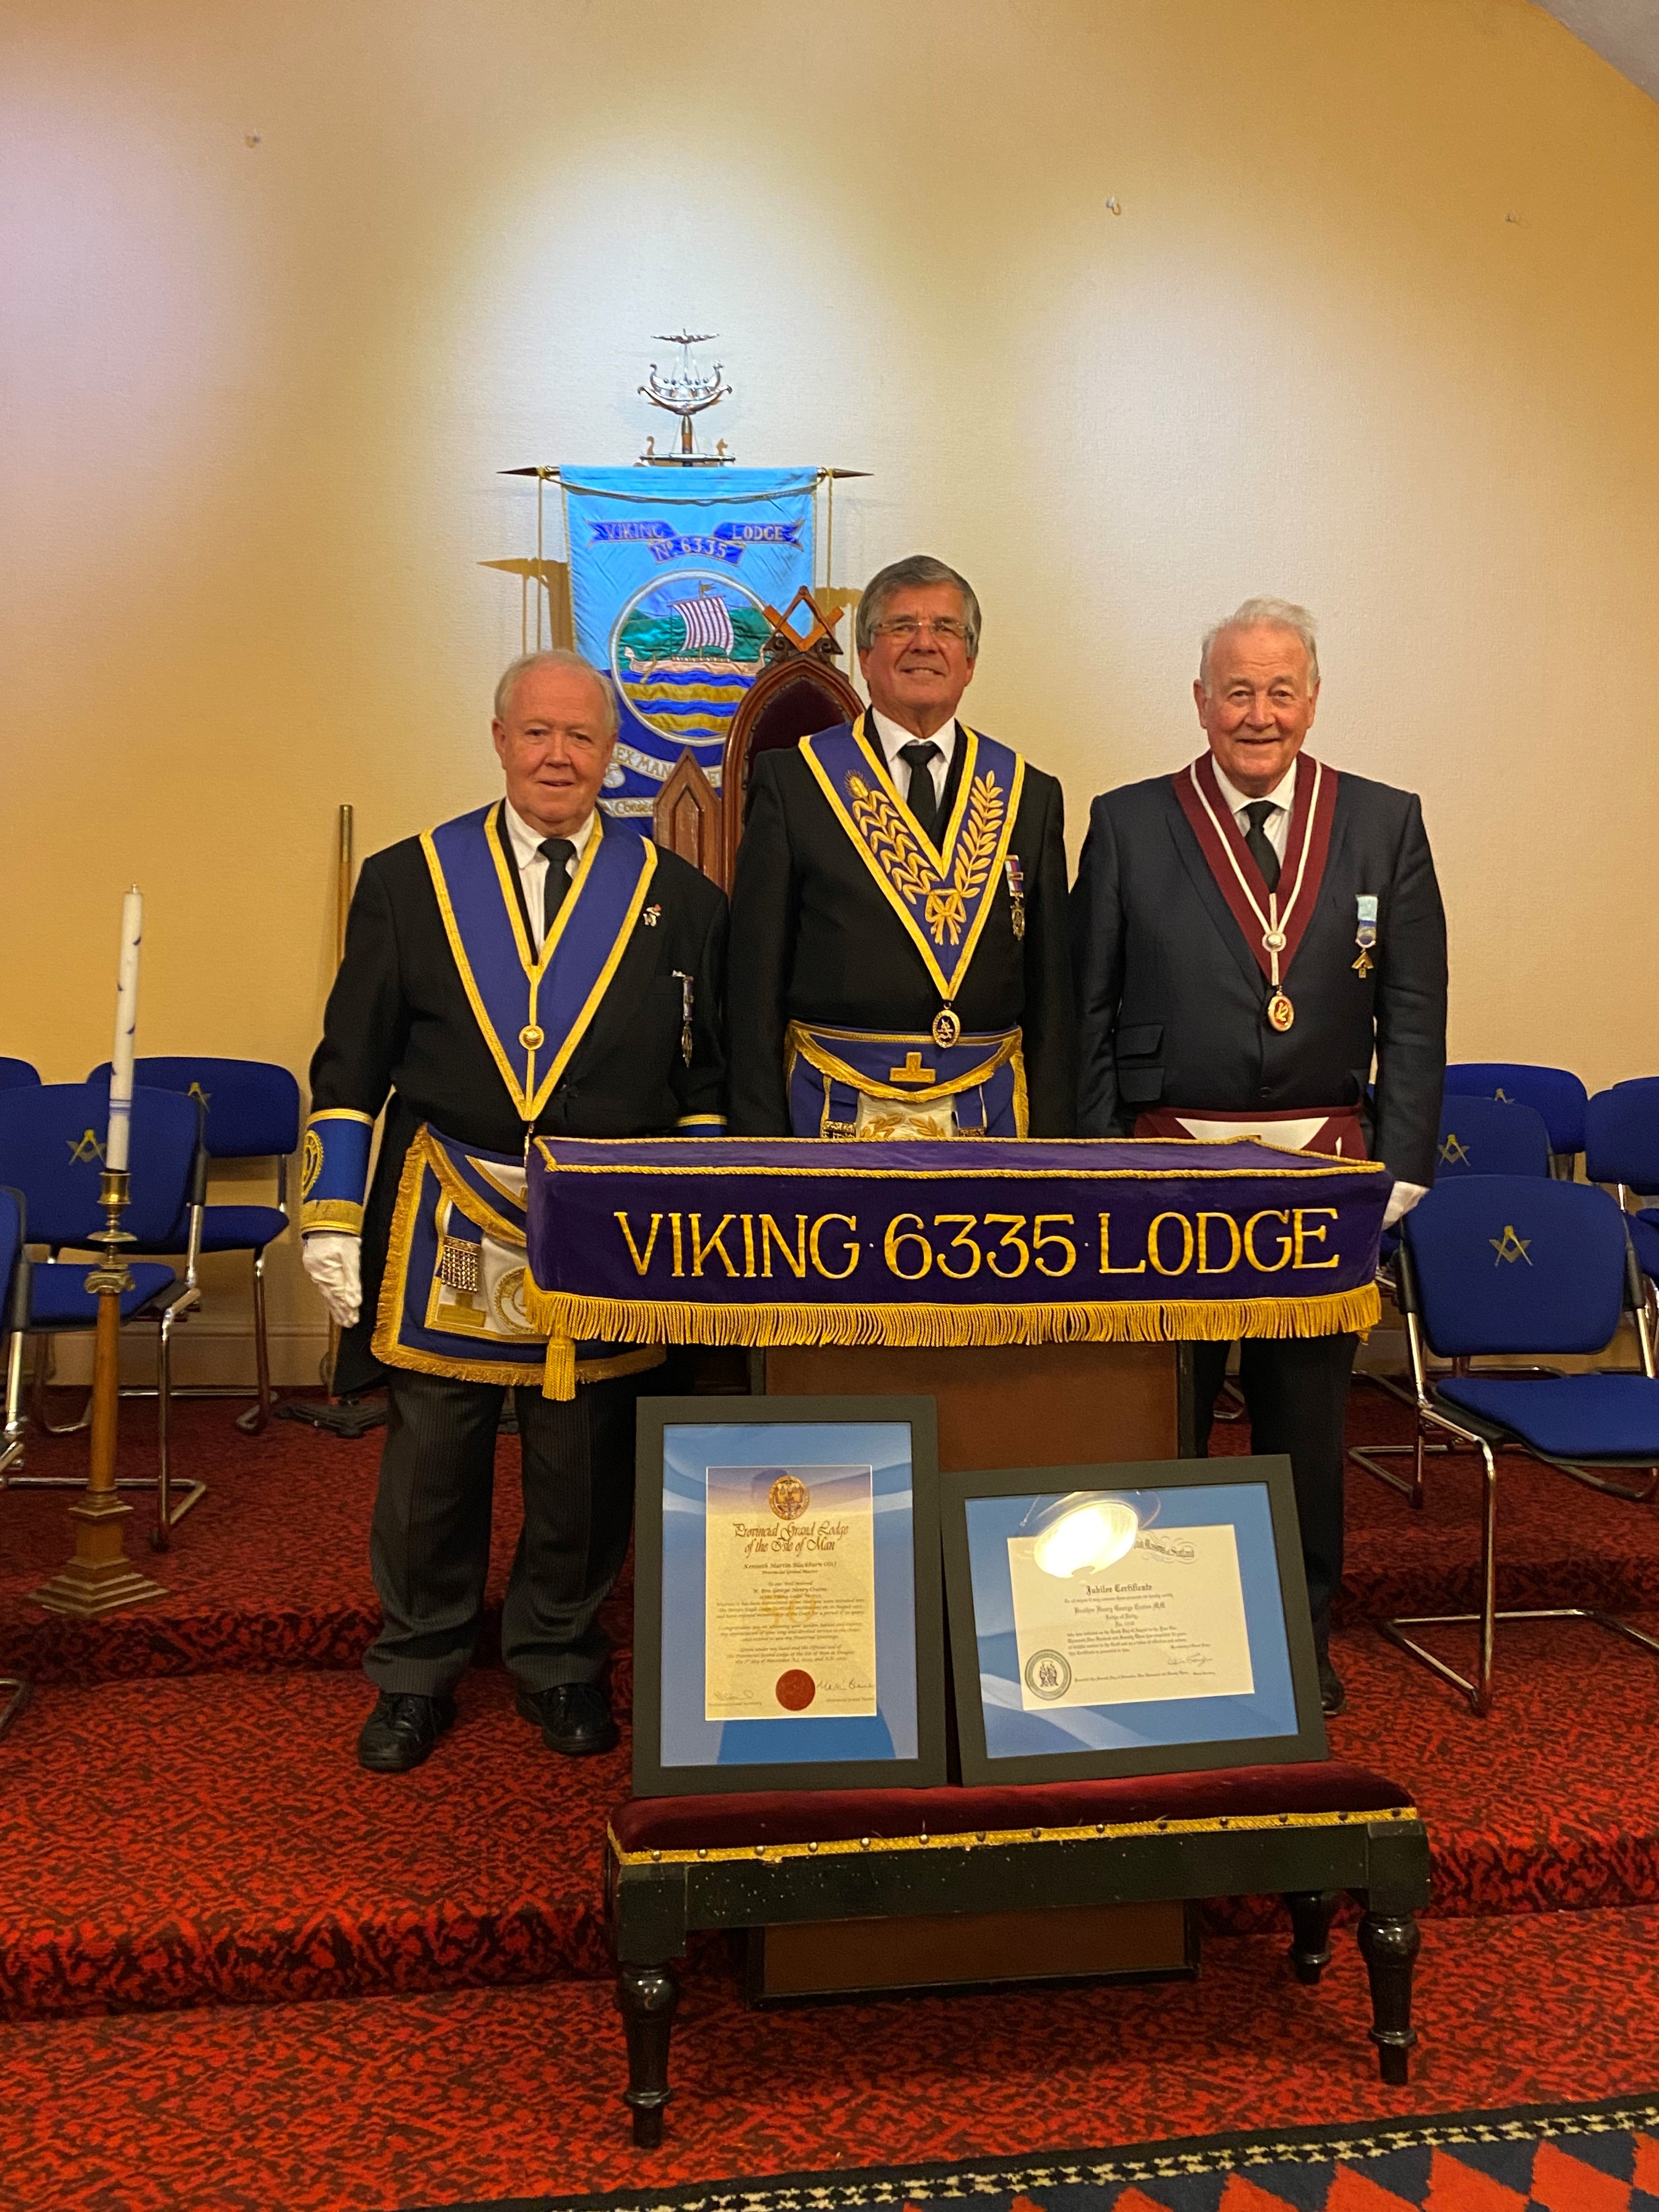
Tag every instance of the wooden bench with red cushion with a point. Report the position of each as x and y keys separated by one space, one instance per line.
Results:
x=772 y=1858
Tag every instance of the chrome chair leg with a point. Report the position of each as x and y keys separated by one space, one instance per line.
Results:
x=162 y=1536
x=20 y=1695
x=11 y=1440
x=255 y=1417
x=1479 y=1692
x=45 y=1366
x=1368 y=1455
x=1411 y=1487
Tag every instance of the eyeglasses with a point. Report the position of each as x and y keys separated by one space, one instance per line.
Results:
x=907 y=626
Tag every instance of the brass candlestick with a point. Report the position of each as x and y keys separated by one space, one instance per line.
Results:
x=99 y=1579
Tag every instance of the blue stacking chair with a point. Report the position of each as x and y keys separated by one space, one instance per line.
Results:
x=1477 y=1136
x=1491 y=1136
x=250 y=1111
x=14 y=1312
x=1555 y=1093
x=1518 y=1265
x=17 y=1074
x=51 y=1148
x=1621 y=1147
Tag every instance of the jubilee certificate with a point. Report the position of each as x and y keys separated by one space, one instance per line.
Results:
x=1166 y=1621
x=789 y=1592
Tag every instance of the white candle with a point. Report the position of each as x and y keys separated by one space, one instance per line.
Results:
x=126 y=1030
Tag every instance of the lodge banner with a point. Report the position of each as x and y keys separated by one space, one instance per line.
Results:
x=671 y=572
x=789 y=1241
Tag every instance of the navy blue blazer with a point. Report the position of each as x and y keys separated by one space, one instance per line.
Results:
x=1172 y=1004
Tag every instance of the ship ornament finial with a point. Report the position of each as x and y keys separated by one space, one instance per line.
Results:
x=684 y=390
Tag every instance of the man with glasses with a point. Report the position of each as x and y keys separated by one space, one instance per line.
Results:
x=899 y=963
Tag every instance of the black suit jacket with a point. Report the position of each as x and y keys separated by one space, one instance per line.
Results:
x=1172 y=1004
x=398 y=1025
x=814 y=940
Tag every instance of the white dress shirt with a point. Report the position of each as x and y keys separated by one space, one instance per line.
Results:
x=1277 y=823
x=526 y=842
x=893 y=737
x=1404 y=1196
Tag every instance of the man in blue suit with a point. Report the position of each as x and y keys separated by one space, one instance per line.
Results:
x=1248 y=936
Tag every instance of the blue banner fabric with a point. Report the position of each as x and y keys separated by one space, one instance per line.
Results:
x=671 y=571
x=791 y=1241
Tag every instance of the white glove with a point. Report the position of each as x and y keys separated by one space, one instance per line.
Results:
x=333 y=1261
x=1401 y=1198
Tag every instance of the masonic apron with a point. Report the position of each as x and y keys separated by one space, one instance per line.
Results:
x=945 y=1082
x=453 y=1296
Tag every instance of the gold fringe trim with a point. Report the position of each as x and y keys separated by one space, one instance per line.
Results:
x=507 y=1373
x=536 y=1368
x=460 y=1193
x=964 y=1839
x=1123 y=1321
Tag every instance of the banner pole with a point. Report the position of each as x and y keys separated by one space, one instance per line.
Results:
x=342 y=870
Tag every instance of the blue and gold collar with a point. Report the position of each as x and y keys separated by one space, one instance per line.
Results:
x=534 y=1009
x=942 y=893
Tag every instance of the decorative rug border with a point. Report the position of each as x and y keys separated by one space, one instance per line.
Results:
x=923 y=2183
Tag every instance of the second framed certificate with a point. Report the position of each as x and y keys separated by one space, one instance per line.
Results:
x=1118 y=1620
x=786 y=1609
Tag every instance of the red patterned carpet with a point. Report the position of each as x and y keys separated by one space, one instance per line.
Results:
x=393 y=1991
x=353 y=2107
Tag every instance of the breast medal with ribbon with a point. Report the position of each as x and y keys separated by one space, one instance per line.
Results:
x=1364 y=933
x=1273 y=927
x=451 y=1298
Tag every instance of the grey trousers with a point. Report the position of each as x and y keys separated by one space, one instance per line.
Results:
x=429 y=1541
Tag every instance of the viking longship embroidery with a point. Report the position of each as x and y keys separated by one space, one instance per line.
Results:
x=945 y=900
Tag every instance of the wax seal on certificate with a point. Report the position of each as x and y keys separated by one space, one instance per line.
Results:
x=795 y=1690
x=1048 y=1674
x=789 y=1498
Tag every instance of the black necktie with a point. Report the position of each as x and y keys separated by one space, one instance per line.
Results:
x=1260 y=844
x=557 y=851
x=921 y=799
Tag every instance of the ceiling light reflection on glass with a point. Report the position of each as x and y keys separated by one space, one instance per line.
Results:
x=1087 y=1538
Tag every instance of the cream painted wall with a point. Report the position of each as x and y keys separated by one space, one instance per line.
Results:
x=1376 y=328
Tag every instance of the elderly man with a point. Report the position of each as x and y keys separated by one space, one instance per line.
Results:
x=1248 y=935
x=899 y=963
x=531 y=966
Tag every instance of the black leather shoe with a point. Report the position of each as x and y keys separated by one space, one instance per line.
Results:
x=1332 y=1697
x=402 y=1730
x=575 y=1719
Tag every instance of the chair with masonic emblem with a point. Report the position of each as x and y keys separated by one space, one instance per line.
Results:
x=51 y=1150
x=250 y=1111
x=1521 y=1264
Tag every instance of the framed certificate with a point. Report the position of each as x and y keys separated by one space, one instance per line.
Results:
x=1137 y=1619
x=787 y=1631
